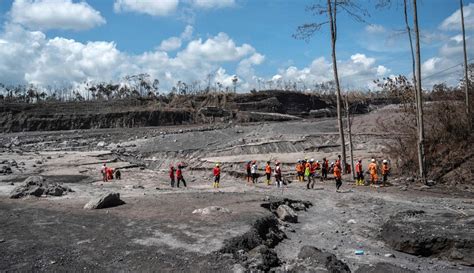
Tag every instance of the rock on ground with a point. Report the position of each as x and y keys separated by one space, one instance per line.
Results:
x=37 y=186
x=287 y=214
x=425 y=234
x=312 y=259
x=107 y=200
x=211 y=210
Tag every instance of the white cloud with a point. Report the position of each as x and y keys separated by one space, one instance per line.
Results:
x=153 y=8
x=209 y=4
x=30 y=57
x=358 y=71
x=170 y=44
x=457 y=38
x=58 y=14
x=375 y=29
x=453 y=22
x=174 y=43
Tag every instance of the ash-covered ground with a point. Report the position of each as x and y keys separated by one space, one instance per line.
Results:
x=403 y=227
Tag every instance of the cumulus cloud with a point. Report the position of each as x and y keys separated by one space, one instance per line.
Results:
x=358 y=71
x=209 y=4
x=30 y=57
x=453 y=22
x=153 y=8
x=375 y=29
x=58 y=14
x=174 y=43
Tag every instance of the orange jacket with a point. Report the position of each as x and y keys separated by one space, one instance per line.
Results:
x=358 y=167
x=373 y=168
x=385 y=169
x=268 y=169
x=337 y=172
x=308 y=166
x=299 y=167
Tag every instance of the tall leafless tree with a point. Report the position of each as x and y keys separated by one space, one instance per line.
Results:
x=306 y=31
x=466 y=85
x=419 y=103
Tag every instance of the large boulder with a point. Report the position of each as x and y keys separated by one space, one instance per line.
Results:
x=287 y=214
x=37 y=186
x=446 y=235
x=107 y=200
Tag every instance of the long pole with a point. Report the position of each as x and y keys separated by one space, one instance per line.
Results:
x=413 y=68
x=332 y=22
x=349 y=125
x=419 y=103
x=466 y=78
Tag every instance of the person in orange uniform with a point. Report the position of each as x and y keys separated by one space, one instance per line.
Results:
x=337 y=177
x=300 y=171
x=268 y=172
x=373 y=168
x=359 y=173
x=385 y=171
x=217 y=175
x=179 y=176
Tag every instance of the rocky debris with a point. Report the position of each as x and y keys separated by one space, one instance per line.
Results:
x=211 y=210
x=101 y=144
x=430 y=183
x=312 y=259
x=37 y=186
x=138 y=187
x=264 y=231
x=106 y=200
x=287 y=214
x=297 y=205
x=446 y=235
x=382 y=267
x=5 y=169
x=261 y=258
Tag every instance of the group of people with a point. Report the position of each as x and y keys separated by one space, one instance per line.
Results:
x=306 y=170
x=252 y=173
x=178 y=174
x=109 y=173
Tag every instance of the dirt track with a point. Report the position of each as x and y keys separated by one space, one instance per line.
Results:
x=156 y=229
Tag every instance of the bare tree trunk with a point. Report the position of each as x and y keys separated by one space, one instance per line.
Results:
x=466 y=85
x=332 y=22
x=412 y=53
x=349 y=125
x=419 y=104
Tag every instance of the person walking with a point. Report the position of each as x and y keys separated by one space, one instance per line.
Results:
x=360 y=173
x=278 y=179
x=385 y=171
x=103 y=171
x=253 y=170
x=268 y=172
x=311 y=169
x=337 y=177
x=179 y=176
x=217 y=175
x=248 y=169
x=324 y=169
x=300 y=170
x=172 y=171
x=373 y=169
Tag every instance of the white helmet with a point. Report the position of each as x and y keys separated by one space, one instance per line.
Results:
x=373 y=160
x=385 y=161
x=317 y=161
x=311 y=160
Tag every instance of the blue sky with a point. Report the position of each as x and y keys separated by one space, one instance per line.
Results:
x=103 y=40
